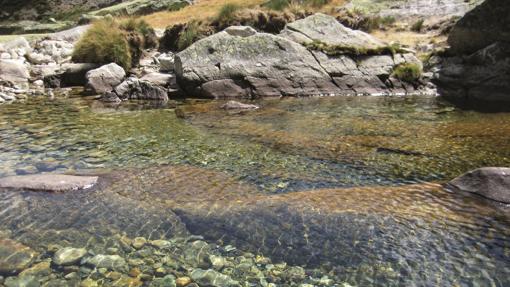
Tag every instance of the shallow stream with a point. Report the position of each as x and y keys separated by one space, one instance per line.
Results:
x=349 y=188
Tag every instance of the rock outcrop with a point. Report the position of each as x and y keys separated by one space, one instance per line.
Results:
x=313 y=56
x=483 y=26
x=489 y=182
x=478 y=68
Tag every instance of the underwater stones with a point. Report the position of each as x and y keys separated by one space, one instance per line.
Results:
x=68 y=256
x=196 y=253
x=160 y=243
x=38 y=270
x=182 y=281
x=212 y=278
x=14 y=257
x=104 y=78
x=234 y=105
x=139 y=242
x=111 y=262
x=48 y=182
x=489 y=182
x=167 y=281
x=22 y=281
x=217 y=262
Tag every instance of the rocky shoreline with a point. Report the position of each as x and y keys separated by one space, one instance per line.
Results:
x=313 y=56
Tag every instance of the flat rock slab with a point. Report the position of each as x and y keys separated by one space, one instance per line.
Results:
x=48 y=182
x=489 y=182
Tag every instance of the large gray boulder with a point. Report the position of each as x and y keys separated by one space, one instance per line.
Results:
x=225 y=65
x=48 y=182
x=13 y=71
x=490 y=182
x=104 y=78
x=239 y=62
x=481 y=27
x=477 y=71
x=480 y=78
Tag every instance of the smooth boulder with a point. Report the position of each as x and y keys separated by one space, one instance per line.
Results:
x=136 y=89
x=48 y=182
x=104 y=78
x=13 y=71
x=228 y=66
x=489 y=182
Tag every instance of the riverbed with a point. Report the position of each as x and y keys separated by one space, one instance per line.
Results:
x=347 y=188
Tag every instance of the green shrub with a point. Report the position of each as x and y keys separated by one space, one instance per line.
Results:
x=189 y=35
x=278 y=5
x=103 y=43
x=408 y=72
x=227 y=13
x=417 y=26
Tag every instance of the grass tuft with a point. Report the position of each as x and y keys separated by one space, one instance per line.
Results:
x=417 y=26
x=227 y=13
x=408 y=72
x=103 y=43
x=112 y=41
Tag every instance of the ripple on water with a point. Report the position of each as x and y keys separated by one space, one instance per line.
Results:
x=246 y=179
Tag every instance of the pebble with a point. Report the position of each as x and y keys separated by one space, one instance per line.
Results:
x=68 y=256
x=182 y=281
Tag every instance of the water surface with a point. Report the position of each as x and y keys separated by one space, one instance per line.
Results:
x=343 y=186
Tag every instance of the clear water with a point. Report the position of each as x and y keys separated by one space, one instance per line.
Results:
x=348 y=187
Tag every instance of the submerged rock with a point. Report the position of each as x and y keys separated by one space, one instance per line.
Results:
x=48 y=182
x=234 y=105
x=111 y=262
x=489 y=182
x=14 y=257
x=211 y=278
x=68 y=256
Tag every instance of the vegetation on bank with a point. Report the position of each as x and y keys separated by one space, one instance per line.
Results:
x=118 y=41
x=408 y=72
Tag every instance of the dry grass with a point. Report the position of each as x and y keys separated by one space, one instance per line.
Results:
x=205 y=9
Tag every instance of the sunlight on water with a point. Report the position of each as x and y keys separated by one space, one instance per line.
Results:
x=340 y=186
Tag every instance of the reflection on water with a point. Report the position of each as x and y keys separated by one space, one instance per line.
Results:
x=335 y=185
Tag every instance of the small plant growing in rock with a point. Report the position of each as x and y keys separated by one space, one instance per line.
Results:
x=227 y=13
x=408 y=72
x=417 y=26
x=189 y=35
